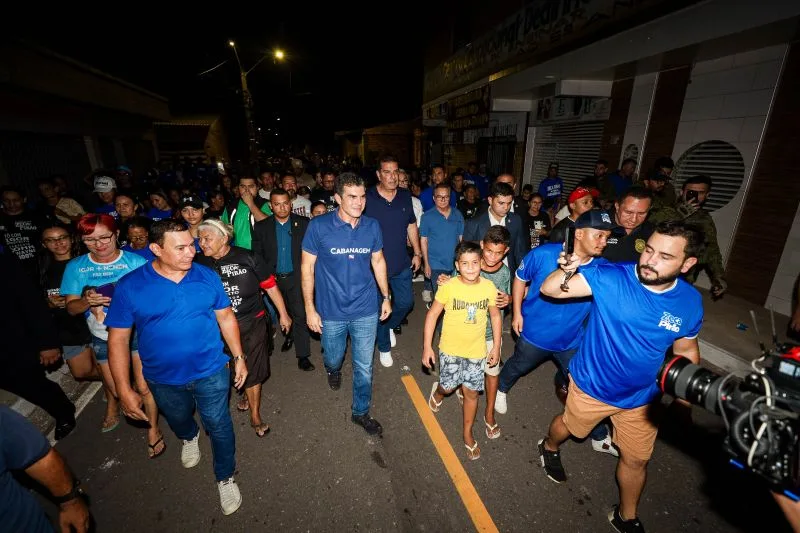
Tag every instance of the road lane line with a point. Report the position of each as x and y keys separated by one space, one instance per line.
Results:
x=475 y=506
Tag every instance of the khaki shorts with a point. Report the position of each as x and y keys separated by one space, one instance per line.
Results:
x=492 y=370
x=635 y=429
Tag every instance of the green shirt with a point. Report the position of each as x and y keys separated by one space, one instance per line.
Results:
x=502 y=280
x=241 y=223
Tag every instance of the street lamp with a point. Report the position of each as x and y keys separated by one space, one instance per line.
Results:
x=279 y=54
x=248 y=106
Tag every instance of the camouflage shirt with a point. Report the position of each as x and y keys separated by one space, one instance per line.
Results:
x=711 y=258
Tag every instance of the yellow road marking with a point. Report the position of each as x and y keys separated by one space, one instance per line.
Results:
x=475 y=507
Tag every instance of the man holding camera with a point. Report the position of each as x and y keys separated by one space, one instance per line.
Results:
x=614 y=372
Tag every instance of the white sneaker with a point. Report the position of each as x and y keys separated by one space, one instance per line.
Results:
x=392 y=338
x=603 y=446
x=229 y=496
x=500 y=404
x=190 y=454
x=386 y=359
x=427 y=296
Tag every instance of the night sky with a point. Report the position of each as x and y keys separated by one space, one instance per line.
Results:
x=348 y=71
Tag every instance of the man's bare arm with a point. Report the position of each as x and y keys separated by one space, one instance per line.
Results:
x=688 y=348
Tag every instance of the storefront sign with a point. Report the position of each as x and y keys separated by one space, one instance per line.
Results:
x=469 y=111
x=540 y=27
x=556 y=109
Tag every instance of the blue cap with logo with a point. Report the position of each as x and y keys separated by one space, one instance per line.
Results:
x=596 y=219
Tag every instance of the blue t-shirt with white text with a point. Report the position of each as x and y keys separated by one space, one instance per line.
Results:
x=345 y=285
x=549 y=323
x=178 y=333
x=629 y=331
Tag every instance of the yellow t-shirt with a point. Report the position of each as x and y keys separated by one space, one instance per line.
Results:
x=466 y=312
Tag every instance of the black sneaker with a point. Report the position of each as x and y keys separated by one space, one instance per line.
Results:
x=64 y=427
x=369 y=424
x=624 y=526
x=304 y=364
x=551 y=462
x=334 y=380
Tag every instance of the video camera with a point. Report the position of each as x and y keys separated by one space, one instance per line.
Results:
x=761 y=411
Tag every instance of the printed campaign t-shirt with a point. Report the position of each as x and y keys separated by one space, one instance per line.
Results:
x=241 y=272
x=466 y=315
x=502 y=281
x=345 y=285
x=549 y=323
x=82 y=272
x=624 y=345
x=21 y=234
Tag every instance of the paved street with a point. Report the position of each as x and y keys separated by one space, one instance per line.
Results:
x=316 y=471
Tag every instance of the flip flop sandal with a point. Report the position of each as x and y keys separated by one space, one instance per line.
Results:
x=492 y=431
x=473 y=452
x=155 y=445
x=260 y=429
x=460 y=396
x=108 y=425
x=241 y=403
x=432 y=403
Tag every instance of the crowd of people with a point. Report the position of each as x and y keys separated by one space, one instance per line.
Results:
x=169 y=291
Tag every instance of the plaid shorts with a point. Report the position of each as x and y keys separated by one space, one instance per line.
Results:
x=455 y=371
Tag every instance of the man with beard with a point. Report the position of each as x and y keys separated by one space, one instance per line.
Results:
x=614 y=372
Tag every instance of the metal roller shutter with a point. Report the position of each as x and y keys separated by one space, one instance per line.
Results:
x=575 y=147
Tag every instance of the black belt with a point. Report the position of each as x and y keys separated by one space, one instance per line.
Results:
x=284 y=275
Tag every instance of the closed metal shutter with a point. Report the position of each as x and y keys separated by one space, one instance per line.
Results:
x=575 y=147
x=28 y=157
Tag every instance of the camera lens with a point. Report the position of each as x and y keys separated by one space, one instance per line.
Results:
x=683 y=379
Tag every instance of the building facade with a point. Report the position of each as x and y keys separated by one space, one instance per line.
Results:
x=59 y=116
x=708 y=83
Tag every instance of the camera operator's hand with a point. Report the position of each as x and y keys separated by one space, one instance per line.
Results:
x=791 y=510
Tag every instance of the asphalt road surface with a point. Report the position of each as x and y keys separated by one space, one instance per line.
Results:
x=317 y=471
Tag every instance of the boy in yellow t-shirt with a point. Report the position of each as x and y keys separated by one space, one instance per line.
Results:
x=467 y=301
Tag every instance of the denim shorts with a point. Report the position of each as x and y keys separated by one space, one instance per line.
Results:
x=455 y=371
x=101 y=348
x=73 y=351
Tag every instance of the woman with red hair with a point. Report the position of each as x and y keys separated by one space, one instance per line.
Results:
x=88 y=287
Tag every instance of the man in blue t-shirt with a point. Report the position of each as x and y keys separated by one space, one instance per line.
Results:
x=639 y=311
x=179 y=309
x=549 y=328
x=22 y=447
x=342 y=259
x=551 y=189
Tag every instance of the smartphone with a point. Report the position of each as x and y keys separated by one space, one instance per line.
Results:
x=691 y=195
x=569 y=241
x=106 y=290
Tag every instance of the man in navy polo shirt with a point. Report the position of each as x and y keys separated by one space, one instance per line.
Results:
x=341 y=251
x=638 y=312
x=179 y=309
x=391 y=207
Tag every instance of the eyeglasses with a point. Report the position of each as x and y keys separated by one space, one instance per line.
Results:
x=53 y=240
x=138 y=238
x=439 y=197
x=105 y=239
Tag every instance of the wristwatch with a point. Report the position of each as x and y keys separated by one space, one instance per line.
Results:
x=76 y=492
x=387 y=297
x=237 y=358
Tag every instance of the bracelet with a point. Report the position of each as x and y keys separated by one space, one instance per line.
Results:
x=76 y=492
x=387 y=297
x=417 y=255
x=237 y=358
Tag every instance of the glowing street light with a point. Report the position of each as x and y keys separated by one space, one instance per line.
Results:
x=279 y=55
x=232 y=44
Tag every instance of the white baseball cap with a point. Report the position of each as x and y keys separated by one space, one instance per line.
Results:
x=104 y=184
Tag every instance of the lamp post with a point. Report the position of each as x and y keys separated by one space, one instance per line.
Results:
x=252 y=144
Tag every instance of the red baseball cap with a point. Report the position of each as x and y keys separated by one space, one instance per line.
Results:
x=580 y=192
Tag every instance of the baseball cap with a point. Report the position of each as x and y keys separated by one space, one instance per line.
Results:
x=595 y=219
x=580 y=192
x=104 y=184
x=193 y=201
x=124 y=168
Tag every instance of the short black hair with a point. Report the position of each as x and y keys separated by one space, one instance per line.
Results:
x=527 y=187
x=317 y=204
x=278 y=191
x=601 y=162
x=466 y=247
x=162 y=227
x=139 y=222
x=348 y=179
x=664 y=162
x=501 y=189
x=444 y=184
x=388 y=158
x=627 y=161
x=694 y=236
x=497 y=235
x=700 y=179
x=640 y=193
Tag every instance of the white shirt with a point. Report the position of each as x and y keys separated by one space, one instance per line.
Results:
x=301 y=206
x=263 y=193
x=562 y=213
x=417 y=206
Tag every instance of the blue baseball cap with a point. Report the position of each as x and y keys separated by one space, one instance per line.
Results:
x=596 y=219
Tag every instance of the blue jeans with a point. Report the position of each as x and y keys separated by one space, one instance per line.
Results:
x=362 y=333
x=273 y=314
x=402 y=302
x=527 y=357
x=210 y=396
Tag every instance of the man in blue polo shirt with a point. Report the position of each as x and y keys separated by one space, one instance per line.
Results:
x=441 y=230
x=548 y=328
x=391 y=207
x=639 y=311
x=179 y=309
x=426 y=196
x=342 y=259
